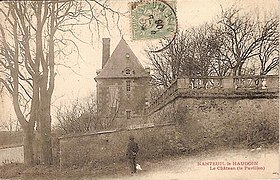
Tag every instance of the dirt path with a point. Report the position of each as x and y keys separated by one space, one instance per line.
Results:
x=260 y=164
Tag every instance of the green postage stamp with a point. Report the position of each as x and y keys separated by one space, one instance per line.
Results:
x=153 y=19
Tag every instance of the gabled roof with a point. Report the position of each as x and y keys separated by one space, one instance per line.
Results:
x=119 y=62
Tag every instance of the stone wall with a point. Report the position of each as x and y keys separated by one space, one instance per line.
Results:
x=109 y=147
x=10 y=139
x=194 y=124
x=203 y=123
x=200 y=113
x=220 y=111
x=11 y=155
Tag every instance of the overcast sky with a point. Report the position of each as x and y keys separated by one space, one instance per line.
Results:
x=78 y=82
x=189 y=12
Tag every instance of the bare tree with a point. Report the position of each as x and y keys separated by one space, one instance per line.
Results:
x=194 y=52
x=110 y=119
x=230 y=46
x=10 y=125
x=269 y=47
x=33 y=35
x=244 y=38
x=79 y=116
x=167 y=65
x=203 y=53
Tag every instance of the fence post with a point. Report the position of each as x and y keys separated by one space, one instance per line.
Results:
x=272 y=82
x=183 y=83
x=227 y=83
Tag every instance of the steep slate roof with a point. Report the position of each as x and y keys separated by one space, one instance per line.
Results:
x=117 y=63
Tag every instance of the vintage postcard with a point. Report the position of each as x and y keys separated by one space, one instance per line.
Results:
x=139 y=89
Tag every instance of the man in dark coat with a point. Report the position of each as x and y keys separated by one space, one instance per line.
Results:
x=132 y=150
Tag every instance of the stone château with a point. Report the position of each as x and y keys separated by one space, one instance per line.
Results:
x=122 y=86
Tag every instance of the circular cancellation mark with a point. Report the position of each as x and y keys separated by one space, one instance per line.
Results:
x=155 y=22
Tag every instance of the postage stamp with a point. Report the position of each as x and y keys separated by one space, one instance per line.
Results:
x=153 y=19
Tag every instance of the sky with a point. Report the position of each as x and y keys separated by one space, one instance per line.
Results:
x=189 y=12
x=78 y=82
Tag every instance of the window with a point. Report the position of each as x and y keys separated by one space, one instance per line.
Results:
x=127 y=71
x=128 y=114
x=128 y=86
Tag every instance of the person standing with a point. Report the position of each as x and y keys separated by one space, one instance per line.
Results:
x=131 y=153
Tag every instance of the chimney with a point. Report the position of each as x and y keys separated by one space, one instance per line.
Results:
x=105 y=51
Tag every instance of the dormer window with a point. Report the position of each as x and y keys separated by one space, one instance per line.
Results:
x=127 y=55
x=127 y=71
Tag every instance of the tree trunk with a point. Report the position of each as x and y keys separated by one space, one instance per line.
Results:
x=234 y=71
x=240 y=70
x=46 y=144
x=45 y=131
x=37 y=148
x=28 y=146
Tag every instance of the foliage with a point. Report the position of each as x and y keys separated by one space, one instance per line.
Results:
x=79 y=116
x=235 y=44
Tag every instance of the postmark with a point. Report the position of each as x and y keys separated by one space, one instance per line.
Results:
x=154 y=19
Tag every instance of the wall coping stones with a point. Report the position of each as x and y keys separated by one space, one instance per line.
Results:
x=250 y=87
x=11 y=146
x=150 y=125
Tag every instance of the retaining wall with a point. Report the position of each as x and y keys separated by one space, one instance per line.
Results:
x=207 y=122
